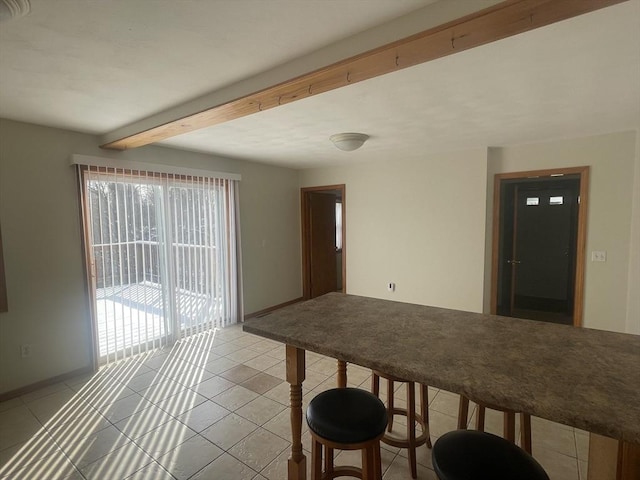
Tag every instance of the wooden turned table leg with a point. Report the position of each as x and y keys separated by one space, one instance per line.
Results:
x=342 y=374
x=297 y=465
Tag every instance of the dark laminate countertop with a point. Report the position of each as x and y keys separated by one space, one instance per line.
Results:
x=581 y=377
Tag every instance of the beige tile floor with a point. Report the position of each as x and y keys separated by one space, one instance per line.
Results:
x=212 y=407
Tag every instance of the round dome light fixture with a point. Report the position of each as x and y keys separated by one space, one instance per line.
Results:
x=348 y=141
x=10 y=9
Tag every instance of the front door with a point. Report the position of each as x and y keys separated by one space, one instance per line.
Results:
x=538 y=248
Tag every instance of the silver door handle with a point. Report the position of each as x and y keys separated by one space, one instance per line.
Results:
x=514 y=262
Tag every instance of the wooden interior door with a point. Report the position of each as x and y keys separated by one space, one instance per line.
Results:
x=322 y=243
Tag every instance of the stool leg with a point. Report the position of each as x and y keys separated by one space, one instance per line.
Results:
x=328 y=460
x=525 y=432
x=510 y=426
x=377 y=461
x=463 y=412
x=375 y=384
x=342 y=374
x=316 y=460
x=368 y=470
x=424 y=411
x=390 y=406
x=480 y=418
x=411 y=427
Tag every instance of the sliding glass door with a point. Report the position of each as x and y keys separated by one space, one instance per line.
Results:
x=128 y=265
x=162 y=252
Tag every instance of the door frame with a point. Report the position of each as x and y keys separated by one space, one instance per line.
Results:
x=306 y=232
x=581 y=240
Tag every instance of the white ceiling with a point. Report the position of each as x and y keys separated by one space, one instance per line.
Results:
x=95 y=66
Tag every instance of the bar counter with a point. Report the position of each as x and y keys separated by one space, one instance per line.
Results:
x=589 y=379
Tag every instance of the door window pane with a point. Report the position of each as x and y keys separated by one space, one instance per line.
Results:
x=338 y=225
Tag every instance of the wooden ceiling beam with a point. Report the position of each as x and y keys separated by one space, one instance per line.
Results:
x=494 y=23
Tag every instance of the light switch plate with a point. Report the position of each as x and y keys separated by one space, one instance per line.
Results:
x=598 y=256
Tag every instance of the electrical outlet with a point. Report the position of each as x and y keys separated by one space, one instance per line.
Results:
x=391 y=287
x=25 y=350
x=598 y=256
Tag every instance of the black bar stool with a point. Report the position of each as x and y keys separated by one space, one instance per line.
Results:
x=346 y=419
x=469 y=454
x=509 y=427
x=411 y=441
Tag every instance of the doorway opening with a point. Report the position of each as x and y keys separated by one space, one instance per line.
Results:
x=323 y=240
x=539 y=237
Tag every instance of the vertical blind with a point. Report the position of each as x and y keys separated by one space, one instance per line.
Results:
x=163 y=252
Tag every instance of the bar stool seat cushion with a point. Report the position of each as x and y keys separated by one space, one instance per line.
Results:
x=470 y=454
x=347 y=415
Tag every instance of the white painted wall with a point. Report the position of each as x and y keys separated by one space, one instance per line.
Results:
x=426 y=224
x=271 y=255
x=633 y=290
x=488 y=250
x=42 y=243
x=611 y=158
x=419 y=223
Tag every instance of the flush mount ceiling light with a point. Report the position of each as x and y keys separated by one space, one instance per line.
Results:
x=348 y=141
x=13 y=9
